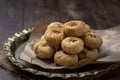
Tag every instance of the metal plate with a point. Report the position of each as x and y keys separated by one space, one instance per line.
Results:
x=14 y=44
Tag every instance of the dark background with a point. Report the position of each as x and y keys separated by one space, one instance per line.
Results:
x=16 y=15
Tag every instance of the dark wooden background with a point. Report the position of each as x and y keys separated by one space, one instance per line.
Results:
x=16 y=15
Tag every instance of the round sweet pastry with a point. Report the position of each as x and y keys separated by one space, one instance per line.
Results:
x=92 y=41
x=74 y=28
x=83 y=62
x=91 y=54
x=87 y=28
x=82 y=55
x=43 y=50
x=35 y=46
x=55 y=25
x=72 y=45
x=42 y=38
x=54 y=36
x=63 y=59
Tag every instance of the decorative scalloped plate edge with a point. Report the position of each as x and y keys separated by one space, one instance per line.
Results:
x=20 y=36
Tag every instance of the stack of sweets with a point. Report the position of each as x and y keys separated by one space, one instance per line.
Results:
x=67 y=44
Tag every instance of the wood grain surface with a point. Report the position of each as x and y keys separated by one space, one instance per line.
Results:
x=16 y=15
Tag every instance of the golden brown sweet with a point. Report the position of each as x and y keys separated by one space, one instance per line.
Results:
x=42 y=38
x=91 y=54
x=72 y=45
x=82 y=55
x=43 y=41
x=35 y=46
x=64 y=59
x=54 y=36
x=92 y=41
x=74 y=28
x=87 y=28
x=55 y=25
x=43 y=50
x=83 y=62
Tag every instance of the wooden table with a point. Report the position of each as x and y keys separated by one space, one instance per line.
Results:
x=16 y=15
